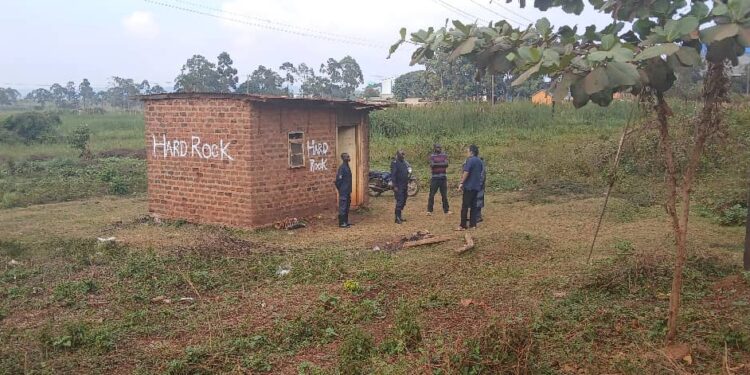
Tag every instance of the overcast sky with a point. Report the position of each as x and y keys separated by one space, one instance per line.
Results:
x=49 y=41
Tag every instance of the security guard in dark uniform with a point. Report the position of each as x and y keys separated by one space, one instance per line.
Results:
x=344 y=186
x=400 y=181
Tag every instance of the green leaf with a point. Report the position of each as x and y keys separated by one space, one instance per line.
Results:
x=719 y=32
x=465 y=47
x=621 y=74
x=461 y=27
x=699 y=10
x=501 y=64
x=643 y=27
x=660 y=75
x=572 y=6
x=567 y=34
x=550 y=57
x=542 y=4
x=602 y=98
x=393 y=48
x=720 y=9
x=597 y=56
x=403 y=33
x=675 y=29
x=656 y=51
x=543 y=26
x=688 y=56
x=529 y=54
x=608 y=41
x=596 y=81
x=580 y=97
x=739 y=9
x=527 y=74
x=561 y=88
x=621 y=54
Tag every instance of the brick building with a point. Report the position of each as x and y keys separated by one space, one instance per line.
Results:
x=250 y=160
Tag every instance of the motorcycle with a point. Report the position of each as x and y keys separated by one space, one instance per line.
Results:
x=380 y=181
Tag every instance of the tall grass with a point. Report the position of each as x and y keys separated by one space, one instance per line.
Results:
x=108 y=131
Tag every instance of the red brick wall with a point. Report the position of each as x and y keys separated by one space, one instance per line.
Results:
x=256 y=187
x=195 y=184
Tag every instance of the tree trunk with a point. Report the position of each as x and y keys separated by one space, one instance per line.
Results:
x=715 y=91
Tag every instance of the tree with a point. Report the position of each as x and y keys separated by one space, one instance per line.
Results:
x=412 y=85
x=156 y=89
x=592 y=66
x=263 y=81
x=9 y=96
x=227 y=74
x=144 y=87
x=41 y=96
x=59 y=95
x=86 y=93
x=290 y=71
x=71 y=96
x=372 y=90
x=198 y=75
x=122 y=92
x=349 y=76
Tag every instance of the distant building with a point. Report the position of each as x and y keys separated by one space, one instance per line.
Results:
x=541 y=97
x=386 y=88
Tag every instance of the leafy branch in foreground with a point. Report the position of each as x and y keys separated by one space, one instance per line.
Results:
x=594 y=64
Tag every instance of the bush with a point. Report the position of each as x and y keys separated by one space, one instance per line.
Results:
x=355 y=352
x=733 y=216
x=32 y=127
x=79 y=140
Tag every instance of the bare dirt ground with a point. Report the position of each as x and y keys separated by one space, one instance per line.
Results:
x=527 y=269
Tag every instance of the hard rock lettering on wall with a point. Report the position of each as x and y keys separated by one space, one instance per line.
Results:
x=317 y=153
x=194 y=148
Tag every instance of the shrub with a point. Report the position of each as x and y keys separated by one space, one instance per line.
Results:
x=79 y=140
x=733 y=216
x=355 y=352
x=32 y=126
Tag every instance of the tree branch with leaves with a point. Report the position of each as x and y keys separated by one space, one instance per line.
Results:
x=591 y=66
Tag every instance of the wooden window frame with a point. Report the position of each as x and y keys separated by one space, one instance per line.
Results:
x=301 y=142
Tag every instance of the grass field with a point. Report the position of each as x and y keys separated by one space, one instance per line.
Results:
x=178 y=298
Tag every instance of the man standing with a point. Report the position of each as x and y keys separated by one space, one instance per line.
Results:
x=480 y=195
x=471 y=183
x=344 y=186
x=439 y=181
x=400 y=181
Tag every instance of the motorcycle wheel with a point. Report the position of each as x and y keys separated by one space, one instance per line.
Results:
x=412 y=188
x=373 y=187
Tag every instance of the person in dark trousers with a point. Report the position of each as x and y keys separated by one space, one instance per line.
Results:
x=439 y=181
x=480 y=195
x=471 y=183
x=344 y=186
x=400 y=181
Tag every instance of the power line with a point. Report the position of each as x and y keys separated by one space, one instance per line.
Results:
x=511 y=11
x=266 y=26
x=277 y=23
x=458 y=11
x=496 y=13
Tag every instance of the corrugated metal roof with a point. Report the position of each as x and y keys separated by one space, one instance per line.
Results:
x=354 y=104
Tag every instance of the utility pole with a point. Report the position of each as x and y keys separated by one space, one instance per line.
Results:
x=247 y=84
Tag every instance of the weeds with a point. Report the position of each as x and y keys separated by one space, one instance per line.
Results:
x=355 y=352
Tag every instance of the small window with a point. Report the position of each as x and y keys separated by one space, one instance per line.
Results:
x=296 y=150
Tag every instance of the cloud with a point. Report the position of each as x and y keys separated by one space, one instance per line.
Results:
x=141 y=24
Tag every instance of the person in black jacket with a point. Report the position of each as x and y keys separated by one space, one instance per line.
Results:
x=344 y=186
x=400 y=181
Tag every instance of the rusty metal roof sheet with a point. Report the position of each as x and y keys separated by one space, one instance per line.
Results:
x=354 y=104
